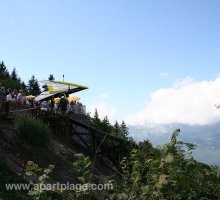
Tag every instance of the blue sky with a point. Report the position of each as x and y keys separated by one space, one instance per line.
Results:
x=125 y=51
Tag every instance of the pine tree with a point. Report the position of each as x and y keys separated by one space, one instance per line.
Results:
x=117 y=128
x=3 y=70
x=51 y=77
x=23 y=86
x=96 y=122
x=33 y=86
x=96 y=115
x=124 y=129
x=14 y=75
x=106 y=126
x=2 y=67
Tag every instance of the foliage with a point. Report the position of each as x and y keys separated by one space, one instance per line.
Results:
x=96 y=122
x=104 y=125
x=14 y=75
x=3 y=70
x=38 y=178
x=145 y=150
x=124 y=129
x=33 y=86
x=32 y=130
x=117 y=128
x=171 y=174
x=51 y=77
x=11 y=81
x=84 y=169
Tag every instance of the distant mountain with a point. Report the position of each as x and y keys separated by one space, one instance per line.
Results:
x=206 y=137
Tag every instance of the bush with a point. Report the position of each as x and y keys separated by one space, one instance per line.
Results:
x=32 y=130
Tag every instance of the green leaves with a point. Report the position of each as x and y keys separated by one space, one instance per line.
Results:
x=185 y=181
x=38 y=177
x=170 y=174
x=169 y=158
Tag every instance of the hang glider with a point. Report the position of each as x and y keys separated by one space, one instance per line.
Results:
x=57 y=88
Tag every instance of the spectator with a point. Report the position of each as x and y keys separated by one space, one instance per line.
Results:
x=14 y=94
x=72 y=105
x=63 y=105
x=20 y=99
x=8 y=101
x=52 y=104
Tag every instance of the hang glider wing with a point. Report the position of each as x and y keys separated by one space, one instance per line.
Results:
x=57 y=88
x=44 y=96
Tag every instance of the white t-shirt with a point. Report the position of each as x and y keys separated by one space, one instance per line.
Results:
x=9 y=97
x=20 y=98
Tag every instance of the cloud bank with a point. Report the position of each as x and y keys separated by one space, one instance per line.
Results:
x=186 y=102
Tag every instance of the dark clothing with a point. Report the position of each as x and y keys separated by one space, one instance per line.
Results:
x=63 y=104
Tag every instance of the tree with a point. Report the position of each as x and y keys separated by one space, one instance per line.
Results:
x=106 y=126
x=96 y=115
x=51 y=77
x=14 y=75
x=23 y=86
x=3 y=70
x=96 y=122
x=33 y=86
x=124 y=129
x=2 y=67
x=117 y=128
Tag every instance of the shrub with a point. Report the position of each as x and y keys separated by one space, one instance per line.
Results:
x=32 y=130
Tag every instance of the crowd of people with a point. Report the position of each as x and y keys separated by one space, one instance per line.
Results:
x=63 y=106
x=11 y=100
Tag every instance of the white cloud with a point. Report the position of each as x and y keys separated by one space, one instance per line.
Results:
x=103 y=107
x=186 y=102
x=181 y=82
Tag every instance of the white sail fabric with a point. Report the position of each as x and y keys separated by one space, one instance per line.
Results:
x=43 y=95
x=56 y=88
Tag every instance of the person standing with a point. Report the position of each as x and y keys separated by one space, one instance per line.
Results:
x=63 y=105
x=52 y=104
x=20 y=99
x=8 y=101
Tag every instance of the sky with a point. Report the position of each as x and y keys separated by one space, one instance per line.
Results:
x=146 y=62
